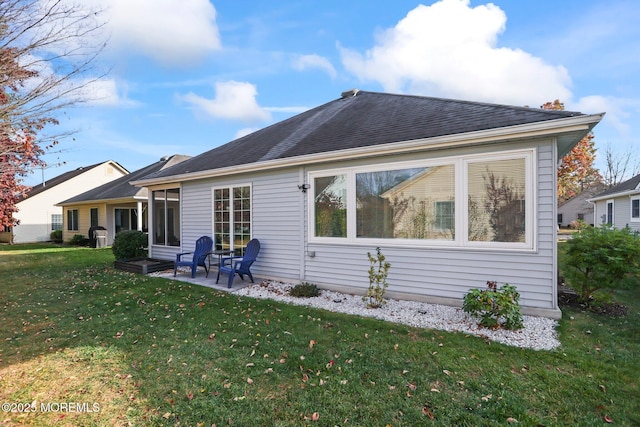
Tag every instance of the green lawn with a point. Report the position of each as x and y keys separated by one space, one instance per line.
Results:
x=126 y=349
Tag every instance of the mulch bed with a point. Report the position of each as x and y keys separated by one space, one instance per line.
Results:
x=143 y=265
x=567 y=297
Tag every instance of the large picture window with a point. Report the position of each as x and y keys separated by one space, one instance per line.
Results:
x=497 y=200
x=477 y=200
x=232 y=218
x=166 y=217
x=414 y=203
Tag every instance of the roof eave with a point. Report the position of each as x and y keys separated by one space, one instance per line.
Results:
x=582 y=124
x=614 y=195
x=108 y=201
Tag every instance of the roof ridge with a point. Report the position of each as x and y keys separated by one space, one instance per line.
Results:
x=469 y=102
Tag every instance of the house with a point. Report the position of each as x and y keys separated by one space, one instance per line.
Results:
x=619 y=206
x=116 y=206
x=37 y=210
x=455 y=193
x=579 y=208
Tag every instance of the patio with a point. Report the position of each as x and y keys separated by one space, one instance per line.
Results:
x=184 y=275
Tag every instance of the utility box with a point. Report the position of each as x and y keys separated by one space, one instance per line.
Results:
x=101 y=238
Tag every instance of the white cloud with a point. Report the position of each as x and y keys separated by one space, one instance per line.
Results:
x=615 y=108
x=244 y=132
x=450 y=49
x=105 y=93
x=233 y=101
x=305 y=62
x=172 y=32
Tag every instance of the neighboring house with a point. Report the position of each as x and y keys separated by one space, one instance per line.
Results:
x=37 y=210
x=116 y=206
x=619 y=205
x=455 y=194
x=578 y=207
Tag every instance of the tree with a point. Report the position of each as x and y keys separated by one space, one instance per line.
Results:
x=619 y=167
x=576 y=171
x=601 y=259
x=47 y=50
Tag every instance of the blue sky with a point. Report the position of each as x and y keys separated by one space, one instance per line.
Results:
x=189 y=75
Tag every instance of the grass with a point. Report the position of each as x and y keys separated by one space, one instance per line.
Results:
x=127 y=349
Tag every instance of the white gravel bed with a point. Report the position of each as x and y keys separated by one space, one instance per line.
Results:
x=539 y=333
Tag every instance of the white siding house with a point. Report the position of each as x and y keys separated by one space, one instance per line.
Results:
x=579 y=208
x=116 y=206
x=37 y=211
x=454 y=193
x=619 y=206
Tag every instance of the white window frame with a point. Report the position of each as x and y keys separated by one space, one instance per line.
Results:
x=57 y=225
x=460 y=164
x=631 y=200
x=231 y=211
x=530 y=220
x=151 y=220
x=607 y=220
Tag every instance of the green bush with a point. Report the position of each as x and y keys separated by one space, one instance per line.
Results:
x=304 y=290
x=78 y=240
x=130 y=244
x=495 y=307
x=378 y=272
x=599 y=259
x=56 y=236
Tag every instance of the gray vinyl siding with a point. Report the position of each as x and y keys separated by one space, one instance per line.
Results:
x=437 y=273
x=621 y=212
x=275 y=218
x=279 y=221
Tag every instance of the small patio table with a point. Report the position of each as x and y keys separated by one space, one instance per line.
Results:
x=220 y=253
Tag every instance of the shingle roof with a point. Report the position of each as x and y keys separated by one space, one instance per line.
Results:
x=628 y=185
x=120 y=188
x=366 y=119
x=37 y=189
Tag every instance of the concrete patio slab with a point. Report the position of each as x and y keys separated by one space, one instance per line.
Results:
x=209 y=282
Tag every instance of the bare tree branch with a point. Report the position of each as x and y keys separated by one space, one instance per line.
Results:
x=48 y=51
x=620 y=166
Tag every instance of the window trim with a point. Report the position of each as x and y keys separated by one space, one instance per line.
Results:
x=55 y=223
x=631 y=200
x=152 y=214
x=73 y=223
x=531 y=221
x=607 y=220
x=460 y=164
x=230 y=187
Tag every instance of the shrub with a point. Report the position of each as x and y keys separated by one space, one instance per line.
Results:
x=78 y=240
x=304 y=290
x=56 y=236
x=578 y=224
x=598 y=259
x=378 y=285
x=495 y=307
x=130 y=244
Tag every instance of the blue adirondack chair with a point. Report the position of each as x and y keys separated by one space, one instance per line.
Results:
x=240 y=265
x=199 y=256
